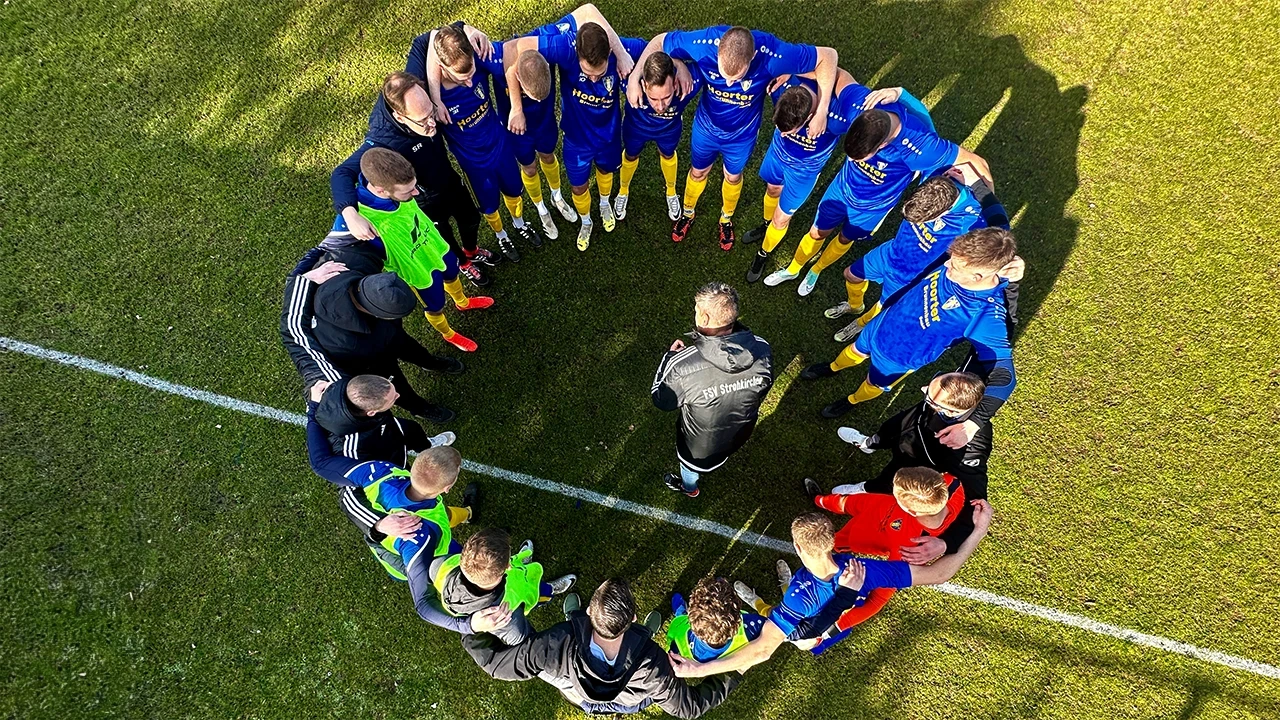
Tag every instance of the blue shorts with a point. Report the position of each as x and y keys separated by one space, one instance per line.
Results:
x=797 y=182
x=489 y=185
x=541 y=139
x=854 y=223
x=882 y=375
x=635 y=138
x=703 y=149
x=578 y=160
x=875 y=266
x=432 y=298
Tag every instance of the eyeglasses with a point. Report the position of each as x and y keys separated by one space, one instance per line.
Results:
x=949 y=412
x=424 y=122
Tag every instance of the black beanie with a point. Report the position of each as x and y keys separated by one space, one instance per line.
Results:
x=386 y=296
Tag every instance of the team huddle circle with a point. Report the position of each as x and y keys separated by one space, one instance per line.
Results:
x=406 y=238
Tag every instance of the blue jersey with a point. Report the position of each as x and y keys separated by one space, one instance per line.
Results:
x=876 y=184
x=730 y=112
x=752 y=624
x=589 y=109
x=653 y=124
x=807 y=595
x=918 y=245
x=535 y=111
x=797 y=149
x=476 y=136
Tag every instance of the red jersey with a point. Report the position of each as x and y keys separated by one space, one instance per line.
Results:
x=878 y=526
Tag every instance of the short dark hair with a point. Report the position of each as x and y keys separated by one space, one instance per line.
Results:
x=989 y=248
x=367 y=392
x=593 y=44
x=714 y=611
x=486 y=556
x=658 y=69
x=612 y=608
x=792 y=109
x=398 y=84
x=719 y=301
x=867 y=133
x=737 y=48
x=962 y=390
x=931 y=200
x=454 y=49
x=386 y=168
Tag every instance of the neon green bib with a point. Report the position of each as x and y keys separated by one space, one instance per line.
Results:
x=414 y=246
x=522 y=582
x=437 y=515
x=678 y=633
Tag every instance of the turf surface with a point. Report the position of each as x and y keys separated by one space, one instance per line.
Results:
x=166 y=162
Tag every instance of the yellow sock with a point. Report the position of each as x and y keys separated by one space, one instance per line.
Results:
x=494 y=221
x=459 y=296
x=440 y=323
x=604 y=183
x=808 y=247
x=692 y=191
x=583 y=204
x=835 y=250
x=458 y=516
x=773 y=236
x=515 y=205
x=846 y=359
x=856 y=292
x=669 y=167
x=866 y=391
x=533 y=186
x=770 y=206
x=552 y=171
x=762 y=608
x=870 y=315
x=729 y=194
x=628 y=171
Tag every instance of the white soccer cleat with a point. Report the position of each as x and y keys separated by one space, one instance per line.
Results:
x=561 y=585
x=807 y=285
x=674 y=207
x=746 y=594
x=444 y=438
x=853 y=437
x=854 y=489
x=549 y=226
x=847 y=333
x=526 y=547
x=778 y=277
x=784 y=576
x=606 y=215
x=836 y=311
x=566 y=210
x=620 y=207
x=584 y=234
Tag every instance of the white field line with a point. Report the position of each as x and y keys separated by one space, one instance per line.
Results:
x=685 y=521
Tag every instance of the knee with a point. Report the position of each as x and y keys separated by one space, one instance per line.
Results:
x=773 y=191
x=733 y=178
x=697 y=174
x=850 y=277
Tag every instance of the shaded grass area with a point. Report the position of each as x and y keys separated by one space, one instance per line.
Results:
x=166 y=163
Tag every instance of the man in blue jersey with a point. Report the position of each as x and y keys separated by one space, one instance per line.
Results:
x=736 y=65
x=886 y=147
x=940 y=210
x=962 y=300
x=592 y=63
x=459 y=87
x=795 y=159
x=668 y=90
x=826 y=585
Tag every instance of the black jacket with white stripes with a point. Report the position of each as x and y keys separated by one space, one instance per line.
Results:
x=717 y=383
x=359 y=436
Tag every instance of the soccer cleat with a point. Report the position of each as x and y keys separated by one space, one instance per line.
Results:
x=526 y=547
x=806 y=285
x=561 y=585
x=817 y=371
x=435 y=413
x=757 y=266
x=847 y=333
x=839 y=310
x=853 y=437
x=444 y=365
x=748 y=596
x=472 y=272
x=476 y=302
x=673 y=482
x=620 y=207
x=566 y=210
x=674 y=207
x=680 y=230
x=811 y=488
x=572 y=604
x=444 y=438
x=606 y=215
x=778 y=277
x=508 y=249
x=784 y=575
x=837 y=409
x=462 y=342
x=652 y=622
x=484 y=257
x=529 y=235
x=549 y=226
x=852 y=489
x=725 y=235
x=584 y=235
x=755 y=234
x=471 y=499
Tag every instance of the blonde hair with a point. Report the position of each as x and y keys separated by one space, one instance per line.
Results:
x=737 y=48
x=534 y=74
x=435 y=469
x=813 y=533
x=920 y=490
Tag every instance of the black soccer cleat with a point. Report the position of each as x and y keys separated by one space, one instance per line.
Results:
x=725 y=235
x=471 y=500
x=435 y=413
x=484 y=257
x=757 y=266
x=508 y=248
x=837 y=409
x=680 y=230
x=472 y=272
x=811 y=488
x=529 y=235
x=756 y=234
x=817 y=371
x=673 y=482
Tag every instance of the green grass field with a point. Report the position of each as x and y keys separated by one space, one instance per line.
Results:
x=165 y=163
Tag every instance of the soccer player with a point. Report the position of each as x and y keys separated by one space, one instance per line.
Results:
x=485 y=575
x=713 y=624
x=592 y=63
x=413 y=246
x=736 y=65
x=885 y=147
x=658 y=119
x=459 y=87
x=962 y=300
x=940 y=210
x=795 y=159
x=823 y=588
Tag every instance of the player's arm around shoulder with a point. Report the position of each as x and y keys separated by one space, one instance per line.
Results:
x=947 y=567
x=635 y=93
x=748 y=656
